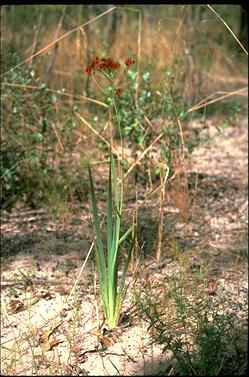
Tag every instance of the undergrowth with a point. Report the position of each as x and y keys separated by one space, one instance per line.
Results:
x=194 y=326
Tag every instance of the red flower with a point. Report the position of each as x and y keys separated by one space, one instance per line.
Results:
x=129 y=62
x=118 y=91
x=88 y=69
x=115 y=65
x=105 y=64
x=95 y=62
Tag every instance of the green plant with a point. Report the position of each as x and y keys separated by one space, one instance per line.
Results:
x=107 y=265
x=163 y=104
x=199 y=332
x=107 y=258
x=34 y=137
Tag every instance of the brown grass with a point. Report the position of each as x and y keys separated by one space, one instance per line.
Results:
x=165 y=42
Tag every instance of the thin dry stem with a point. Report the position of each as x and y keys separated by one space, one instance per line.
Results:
x=180 y=128
x=163 y=179
x=143 y=154
x=138 y=55
x=54 y=51
x=80 y=273
x=178 y=29
x=202 y=103
x=76 y=96
x=36 y=36
x=96 y=133
x=57 y=137
x=224 y=22
x=59 y=39
x=134 y=254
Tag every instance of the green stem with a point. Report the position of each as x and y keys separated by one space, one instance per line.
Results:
x=122 y=152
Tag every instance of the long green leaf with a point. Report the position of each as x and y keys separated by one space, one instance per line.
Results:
x=121 y=292
x=108 y=266
x=113 y=271
x=111 y=246
x=101 y=264
x=102 y=283
x=125 y=235
x=113 y=263
x=109 y=214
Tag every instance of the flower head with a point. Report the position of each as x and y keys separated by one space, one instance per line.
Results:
x=129 y=62
x=88 y=69
x=108 y=65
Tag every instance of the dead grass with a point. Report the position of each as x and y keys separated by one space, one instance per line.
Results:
x=166 y=42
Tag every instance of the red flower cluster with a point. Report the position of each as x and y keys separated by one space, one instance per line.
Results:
x=129 y=62
x=106 y=64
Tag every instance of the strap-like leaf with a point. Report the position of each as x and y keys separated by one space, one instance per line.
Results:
x=108 y=266
x=109 y=215
x=121 y=292
x=101 y=264
x=125 y=235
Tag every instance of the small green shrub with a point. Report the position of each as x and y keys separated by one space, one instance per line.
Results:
x=151 y=103
x=201 y=334
x=33 y=121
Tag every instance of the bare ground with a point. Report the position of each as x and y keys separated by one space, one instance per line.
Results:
x=44 y=331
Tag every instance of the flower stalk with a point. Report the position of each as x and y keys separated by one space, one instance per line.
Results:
x=107 y=255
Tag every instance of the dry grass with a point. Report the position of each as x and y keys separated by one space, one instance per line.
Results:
x=165 y=42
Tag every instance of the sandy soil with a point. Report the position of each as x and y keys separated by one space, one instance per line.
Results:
x=48 y=328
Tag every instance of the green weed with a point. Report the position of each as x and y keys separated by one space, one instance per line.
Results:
x=200 y=334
